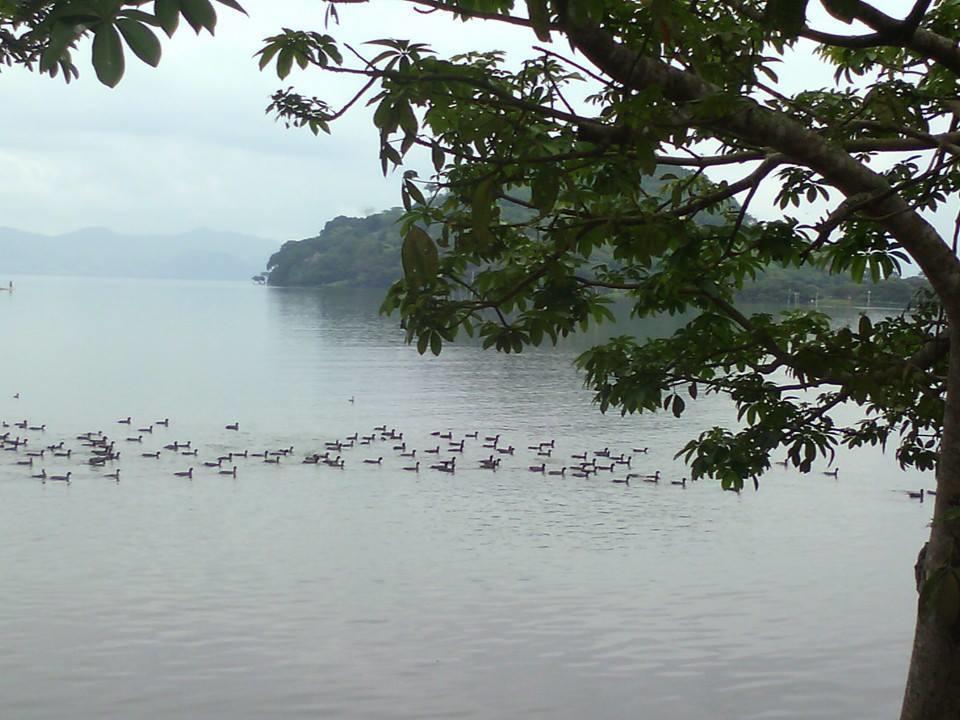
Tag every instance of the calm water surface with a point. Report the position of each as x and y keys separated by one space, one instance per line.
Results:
x=296 y=591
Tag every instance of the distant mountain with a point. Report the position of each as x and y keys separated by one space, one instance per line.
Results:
x=196 y=255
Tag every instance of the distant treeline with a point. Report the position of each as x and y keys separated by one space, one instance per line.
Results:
x=365 y=252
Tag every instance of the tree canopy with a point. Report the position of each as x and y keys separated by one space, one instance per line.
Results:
x=616 y=91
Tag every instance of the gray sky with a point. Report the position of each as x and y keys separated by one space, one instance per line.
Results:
x=188 y=144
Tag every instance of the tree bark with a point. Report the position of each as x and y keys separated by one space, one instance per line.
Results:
x=933 y=681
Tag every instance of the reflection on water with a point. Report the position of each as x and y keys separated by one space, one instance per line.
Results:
x=300 y=591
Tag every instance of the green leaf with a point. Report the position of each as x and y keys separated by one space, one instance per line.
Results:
x=842 y=9
x=787 y=16
x=233 y=4
x=168 y=13
x=107 y=54
x=284 y=63
x=539 y=19
x=141 y=40
x=62 y=34
x=420 y=258
x=436 y=343
x=481 y=211
x=544 y=191
x=437 y=157
x=200 y=14
x=678 y=405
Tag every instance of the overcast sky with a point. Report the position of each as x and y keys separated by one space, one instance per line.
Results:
x=188 y=144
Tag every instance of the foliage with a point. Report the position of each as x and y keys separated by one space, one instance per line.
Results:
x=682 y=85
x=45 y=33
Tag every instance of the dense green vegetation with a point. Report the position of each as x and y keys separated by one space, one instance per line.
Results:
x=360 y=252
x=365 y=252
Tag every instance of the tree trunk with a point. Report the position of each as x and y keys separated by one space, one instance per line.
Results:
x=933 y=682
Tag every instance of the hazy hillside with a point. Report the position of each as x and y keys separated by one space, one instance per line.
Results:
x=197 y=255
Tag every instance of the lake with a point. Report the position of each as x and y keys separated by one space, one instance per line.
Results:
x=305 y=591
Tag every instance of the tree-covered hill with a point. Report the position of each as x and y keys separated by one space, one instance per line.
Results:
x=365 y=252
x=359 y=252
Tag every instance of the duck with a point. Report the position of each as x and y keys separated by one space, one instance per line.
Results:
x=185 y=473
x=412 y=453
x=42 y=475
x=655 y=478
x=561 y=472
x=40 y=428
x=115 y=475
x=155 y=455
x=506 y=451
x=434 y=451
x=272 y=460
x=916 y=495
x=193 y=452
x=147 y=429
x=642 y=450
x=624 y=481
x=378 y=461
x=413 y=468
x=582 y=456
x=165 y=422
x=138 y=438
x=473 y=435
x=229 y=472
x=541 y=468
x=401 y=447
x=28 y=461
x=682 y=482
x=232 y=426
x=235 y=453
x=124 y=422
x=784 y=462
x=61 y=478
x=832 y=473
x=216 y=464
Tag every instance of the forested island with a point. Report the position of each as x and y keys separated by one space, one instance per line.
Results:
x=365 y=252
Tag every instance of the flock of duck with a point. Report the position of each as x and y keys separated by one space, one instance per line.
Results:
x=444 y=453
x=100 y=453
